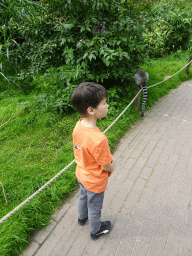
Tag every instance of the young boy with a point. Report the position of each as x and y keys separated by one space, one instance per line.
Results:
x=92 y=154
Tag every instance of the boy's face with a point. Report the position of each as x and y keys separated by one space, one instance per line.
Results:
x=102 y=109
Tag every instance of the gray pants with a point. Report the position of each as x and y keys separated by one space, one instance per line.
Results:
x=90 y=205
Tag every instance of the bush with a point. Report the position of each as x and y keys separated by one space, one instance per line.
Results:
x=60 y=33
x=172 y=27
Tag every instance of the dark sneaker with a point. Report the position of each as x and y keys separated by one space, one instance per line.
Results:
x=82 y=222
x=105 y=228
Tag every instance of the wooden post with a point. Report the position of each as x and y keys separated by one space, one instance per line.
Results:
x=188 y=66
x=137 y=101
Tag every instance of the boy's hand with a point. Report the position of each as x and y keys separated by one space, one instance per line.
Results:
x=109 y=167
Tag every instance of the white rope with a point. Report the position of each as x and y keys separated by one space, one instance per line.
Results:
x=69 y=165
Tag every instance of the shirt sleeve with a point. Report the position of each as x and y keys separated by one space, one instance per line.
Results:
x=102 y=153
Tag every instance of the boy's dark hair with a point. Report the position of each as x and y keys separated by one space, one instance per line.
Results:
x=87 y=94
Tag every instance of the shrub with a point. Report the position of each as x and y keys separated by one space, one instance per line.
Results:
x=171 y=30
x=60 y=33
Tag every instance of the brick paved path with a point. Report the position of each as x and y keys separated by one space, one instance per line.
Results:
x=149 y=195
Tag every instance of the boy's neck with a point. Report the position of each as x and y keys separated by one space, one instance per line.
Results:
x=89 y=122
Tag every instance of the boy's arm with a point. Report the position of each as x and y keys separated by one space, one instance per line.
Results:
x=109 y=167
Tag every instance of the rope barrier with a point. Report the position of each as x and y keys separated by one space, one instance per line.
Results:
x=69 y=165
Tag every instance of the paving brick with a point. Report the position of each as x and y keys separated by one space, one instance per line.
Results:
x=163 y=225
x=65 y=242
x=121 y=175
x=142 y=144
x=186 y=186
x=130 y=234
x=152 y=143
x=139 y=213
x=167 y=149
x=136 y=153
x=164 y=182
x=178 y=223
x=140 y=249
x=117 y=201
x=161 y=143
x=79 y=243
x=129 y=163
x=153 y=211
x=177 y=149
x=160 y=194
x=146 y=232
x=146 y=172
x=188 y=173
x=170 y=167
x=123 y=250
x=173 y=157
x=186 y=246
x=169 y=206
x=120 y=162
x=139 y=185
x=127 y=153
x=146 y=196
x=123 y=146
x=126 y=186
x=163 y=158
x=94 y=246
x=159 y=169
x=174 y=190
x=131 y=201
x=140 y=162
x=173 y=246
x=134 y=173
x=185 y=154
x=156 y=152
x=151 y=162
x=171 y=142
x=158 y=246
x=183 y=201
x=177 y=177
x=146 y=152
x=153 y=181
x=117 y=155
x=181 y=165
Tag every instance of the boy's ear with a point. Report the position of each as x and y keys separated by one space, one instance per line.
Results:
x=90 y=111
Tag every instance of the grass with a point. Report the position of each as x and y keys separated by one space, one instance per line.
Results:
x=35 y=146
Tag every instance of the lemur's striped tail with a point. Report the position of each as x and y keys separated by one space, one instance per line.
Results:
x=144 y=88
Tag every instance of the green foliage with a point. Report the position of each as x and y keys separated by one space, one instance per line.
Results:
x=10 y=36
x=61 y=33
x=172 y=27
x=55 y=87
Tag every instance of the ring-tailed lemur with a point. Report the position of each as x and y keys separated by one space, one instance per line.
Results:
x=141 y=79
x=101 y=27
